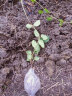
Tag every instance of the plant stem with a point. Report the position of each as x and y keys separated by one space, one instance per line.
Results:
x=40 y=5
x=44 y=8
x=24 y=10
x=26 y=13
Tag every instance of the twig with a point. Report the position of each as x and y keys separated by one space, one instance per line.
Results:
x=52 y=86
x=44 y=8
x=40 y=5
x=58 y=74
x=24 y=10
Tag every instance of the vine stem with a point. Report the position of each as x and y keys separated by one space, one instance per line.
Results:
x=44 y=8
x=24 y=10
x=40 y=5
x=26 y=14
x=50 y=12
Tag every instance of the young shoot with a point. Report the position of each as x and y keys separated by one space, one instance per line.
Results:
x=36 y=44
x=37 y=23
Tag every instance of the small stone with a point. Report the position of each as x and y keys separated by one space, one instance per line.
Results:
x=54 y=57
x=50 y=65
x=61 y=62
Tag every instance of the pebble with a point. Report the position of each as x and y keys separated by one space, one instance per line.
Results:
x=61 y=63
x=55 y=57
x=50 y=65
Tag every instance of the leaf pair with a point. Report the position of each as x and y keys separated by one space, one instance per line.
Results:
x=30 y=56
x=44 y=38
x=36 y=46
x=43 y=11
x=37 y=23
x=41 y=43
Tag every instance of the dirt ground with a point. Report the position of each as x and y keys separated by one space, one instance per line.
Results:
x=55 y=65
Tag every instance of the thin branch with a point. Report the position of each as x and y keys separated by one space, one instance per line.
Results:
x=40 y=5
x=24 y=10
x=52 y=86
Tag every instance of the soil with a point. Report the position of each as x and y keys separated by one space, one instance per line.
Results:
x=55 y=65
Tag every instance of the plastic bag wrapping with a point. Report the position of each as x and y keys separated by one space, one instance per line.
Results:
x=31 y=82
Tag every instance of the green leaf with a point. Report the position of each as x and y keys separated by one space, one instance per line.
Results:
x=28 y=52
x=45 y=38
x=29 y=55
x=34 y=43
x=41 y=43
x=29 y=26
x=40 y=11
x=46 y=10
x=37 y=23
x=37 y=49
x=49 y=18
x=36 y=46
x=36 y=33
x=33 y=1
x=36 y=58
x=61 y=22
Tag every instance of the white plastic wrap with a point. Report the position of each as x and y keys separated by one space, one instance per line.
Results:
x=31 y=82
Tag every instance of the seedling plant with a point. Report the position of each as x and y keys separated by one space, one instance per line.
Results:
x=41 y=38
x=37 y=45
